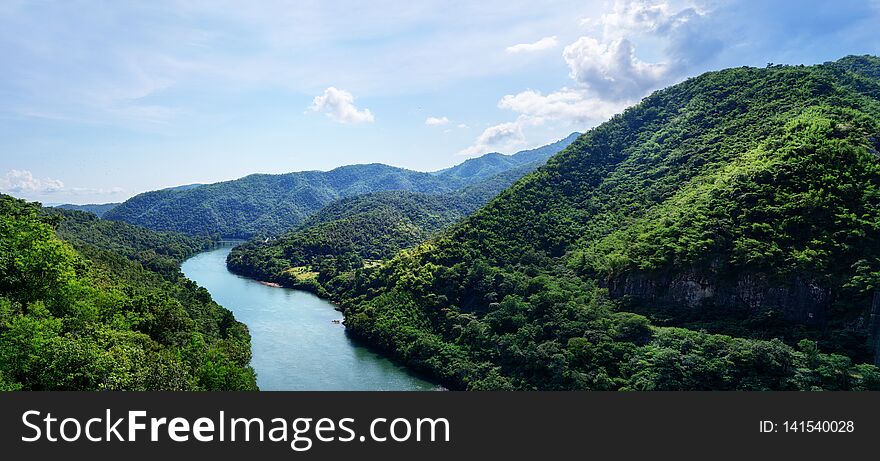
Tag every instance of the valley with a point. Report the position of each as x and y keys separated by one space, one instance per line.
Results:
x=297 y=339
x=721 y=234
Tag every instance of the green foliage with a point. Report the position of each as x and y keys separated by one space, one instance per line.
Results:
x=362 y=230
x=266 y=205
x=75 y=315
x=158 y=251
x=770 y=172
x=347 y=234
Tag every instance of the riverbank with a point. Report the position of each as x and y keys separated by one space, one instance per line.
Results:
x=296 y=344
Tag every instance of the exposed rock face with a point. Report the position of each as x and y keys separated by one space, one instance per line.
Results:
x=874 y=328
x=799 y=299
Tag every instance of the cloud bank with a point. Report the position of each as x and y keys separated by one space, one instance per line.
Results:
x=545 y=43
x=436 y=121
x=339 y=106
x=24 y=182
x=606 y=73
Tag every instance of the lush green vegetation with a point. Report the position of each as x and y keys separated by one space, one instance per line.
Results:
x=362 y=230
x=161 y=252
x=770 y=173
x=267 y=205
x=492 y=164
x=346 y=235
x=75 y=315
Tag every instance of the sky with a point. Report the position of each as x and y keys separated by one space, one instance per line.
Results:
x=102 y=100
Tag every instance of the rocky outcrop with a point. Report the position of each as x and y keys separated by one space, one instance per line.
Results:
x=799 y=299
x=698 y=292
x=874 y=328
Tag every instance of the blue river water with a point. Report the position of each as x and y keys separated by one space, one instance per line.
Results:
x=296 y=343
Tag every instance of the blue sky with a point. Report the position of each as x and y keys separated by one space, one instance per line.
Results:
x=102 y=100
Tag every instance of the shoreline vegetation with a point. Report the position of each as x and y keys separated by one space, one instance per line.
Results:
x=90 y=304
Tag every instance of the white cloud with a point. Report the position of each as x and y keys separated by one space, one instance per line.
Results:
x=504 y=136
x=607 y=73
x=609 y=66
x=436 y=121
x=638 y=15
x=543 y=44
x=339 y=106
x=570 y=105
x=462 y=125
x=612 y=70
x=24 y=182
x=496 y=137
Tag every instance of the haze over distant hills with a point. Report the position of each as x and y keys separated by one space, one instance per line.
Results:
x=97 y=208
x=264 y=204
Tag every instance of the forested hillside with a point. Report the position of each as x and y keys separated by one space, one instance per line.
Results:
x=266 y=205
x=75 y=315
x=489 y=165
x=743 y=202
x=158 y=251
x=354 y=231
x=345 y=235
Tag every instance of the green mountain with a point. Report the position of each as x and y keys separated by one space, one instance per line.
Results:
x=345 y=235
x=364 y=229
x=264 y=205
x=491 y=164
x=81 y=310
x=161 y=252
x=721 y=234
x=97 y=209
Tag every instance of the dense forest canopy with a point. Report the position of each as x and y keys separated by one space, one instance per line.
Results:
x=268 y=205
x=81 y=309
x=740 y=202
x=346 y=235
x=161 y=252
x=356 y=231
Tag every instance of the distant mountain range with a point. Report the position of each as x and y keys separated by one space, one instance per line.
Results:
x=98 y=209
x=264 y=204
x=352 y=231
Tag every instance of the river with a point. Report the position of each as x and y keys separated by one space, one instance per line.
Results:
x=296 y=345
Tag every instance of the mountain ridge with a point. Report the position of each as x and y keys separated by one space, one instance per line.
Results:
x=264 y=204
x=516 y=296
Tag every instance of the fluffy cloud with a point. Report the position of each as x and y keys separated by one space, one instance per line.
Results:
x=612 y=70
x=640 y=15
x=504 y=136
x=24 y=182
x=607 y=74
x=608 y=66
x=436 y=121
x=494 y=138
x=566 y=104
x=339 y=106
x=543 y=44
